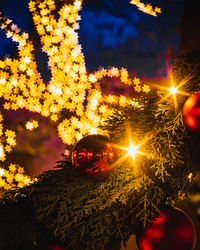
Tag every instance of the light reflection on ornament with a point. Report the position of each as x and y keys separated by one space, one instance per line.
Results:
x=93 y=155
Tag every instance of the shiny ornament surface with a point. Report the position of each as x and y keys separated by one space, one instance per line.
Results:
x=173 y=230
x=191 y=112
x=93 y=154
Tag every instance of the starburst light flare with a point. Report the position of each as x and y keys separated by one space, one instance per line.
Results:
x=132 y=150
x=173 y=90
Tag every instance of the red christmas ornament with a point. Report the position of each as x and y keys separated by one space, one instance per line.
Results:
x=173 y=230
x=191 y=112
x=93 y=154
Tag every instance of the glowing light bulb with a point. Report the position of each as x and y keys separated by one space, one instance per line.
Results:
x=29 y=125
x=190 y=176
x=93 y=131
x=1 y=151
x=133 y=150
x=173 y=90
x=66 y=152
x=1 y=171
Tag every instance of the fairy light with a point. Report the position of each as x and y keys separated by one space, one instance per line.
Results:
x=1 y=171
x=27 y=59
x=146 y=8
x=190 y=176
x=14 y=82
x=173 y=90
x=14 y=177
x=66 y=152
x=69 y=82
x=133 y=150
x=93 y=131
x=30 y=125
x=2 y=81
x=1 y=151
x=92 y=78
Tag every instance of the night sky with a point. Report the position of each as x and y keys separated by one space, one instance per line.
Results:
x=115 y=33
x=112 y=33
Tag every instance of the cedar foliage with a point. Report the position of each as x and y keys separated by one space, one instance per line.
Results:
x=82 y=213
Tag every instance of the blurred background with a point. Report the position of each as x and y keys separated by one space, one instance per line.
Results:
x=112 y=33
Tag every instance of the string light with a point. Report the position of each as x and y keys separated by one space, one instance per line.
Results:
x=66 y=153
x=133 y=150
x=190 y=176
x=30 y=125
x=146 y=8
x=69 y=83
x=1 y=171
x=69 y=78
x=173 y=90
x=14 y=177
x=1 y=151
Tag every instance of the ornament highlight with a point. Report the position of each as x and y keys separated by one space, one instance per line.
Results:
x=191 y=113
x=93 y=154
x=173 y=230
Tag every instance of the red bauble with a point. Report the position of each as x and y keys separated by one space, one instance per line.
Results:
x=93 y=154
x=191 y=113
x=174 y=230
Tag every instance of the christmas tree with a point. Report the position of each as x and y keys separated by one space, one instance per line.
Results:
x=131 y=160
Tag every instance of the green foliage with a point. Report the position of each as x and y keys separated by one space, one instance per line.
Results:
x=83 y=213
x=80 y=212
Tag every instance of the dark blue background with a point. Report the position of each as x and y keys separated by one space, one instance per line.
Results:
x=114 y=33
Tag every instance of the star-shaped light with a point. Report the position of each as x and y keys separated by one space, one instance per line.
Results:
x=173 y=90
x=132 y=150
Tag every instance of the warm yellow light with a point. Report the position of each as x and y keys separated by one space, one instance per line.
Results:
x=29 y=125
x=32 y=124
x=27 y=59
x=66 y=153
x=92 y=78
x=1 y=151
x=146 y=8
x=173 y=90
x=23 y=87
x=93 y=131
x=1 y=171
x=190 y=176
x=133 y=150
